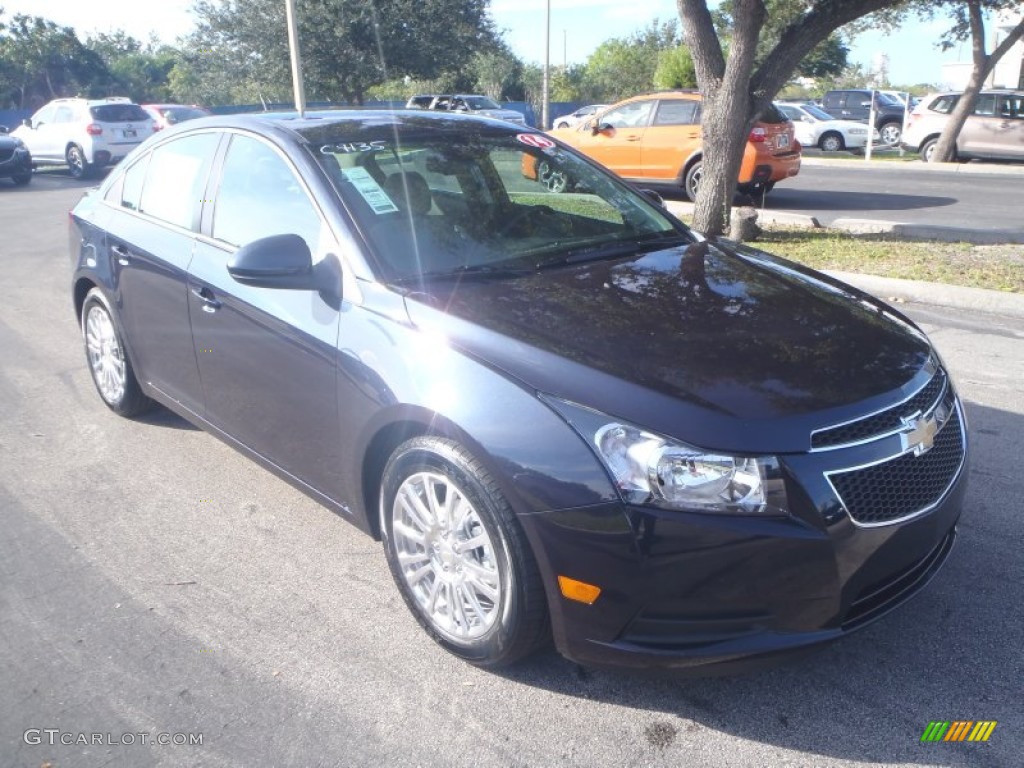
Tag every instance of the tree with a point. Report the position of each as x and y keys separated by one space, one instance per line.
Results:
x=140 y=71
x=675 y=69
x=240 y=47
x=626 y=66
x=738 y=87
x=970 y=20
x=44 y=61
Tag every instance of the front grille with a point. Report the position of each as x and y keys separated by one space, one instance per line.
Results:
x=6 y=154
x=883 y=423
x=906 y=485
x=882 y=597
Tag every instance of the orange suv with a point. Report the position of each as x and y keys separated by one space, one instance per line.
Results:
x=656 y=138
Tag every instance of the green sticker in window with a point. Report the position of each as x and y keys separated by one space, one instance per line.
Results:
x=370 y=190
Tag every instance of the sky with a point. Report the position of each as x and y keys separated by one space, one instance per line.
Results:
x=577 y=28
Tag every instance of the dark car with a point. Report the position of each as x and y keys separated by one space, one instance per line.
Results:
x=565 y=414
x=15 y=159
x=855 y=104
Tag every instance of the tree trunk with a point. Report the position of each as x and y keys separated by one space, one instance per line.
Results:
x=945 y=149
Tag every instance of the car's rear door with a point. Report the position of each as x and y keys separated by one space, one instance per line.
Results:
x=267 y=356
x=980 y=134
x=151 y=214
x=672 y=137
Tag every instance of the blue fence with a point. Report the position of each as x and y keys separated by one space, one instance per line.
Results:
x=12 y=117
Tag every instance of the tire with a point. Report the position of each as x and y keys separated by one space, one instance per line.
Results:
x=111 y=370
x=831 y=142
x=78 y=166
x=559 y=124
x=890 y=133
x=928 y=150
x=22 y=179
x=435 y=496
x=691 y=182
x=553 y=180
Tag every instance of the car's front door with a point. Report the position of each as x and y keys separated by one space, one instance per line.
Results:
x=618 y=146
x=267 y=356
x=151 y=217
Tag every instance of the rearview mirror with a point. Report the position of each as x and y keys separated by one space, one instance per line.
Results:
x=279 y=261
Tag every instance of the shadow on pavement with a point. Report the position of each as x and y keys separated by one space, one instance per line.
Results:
x=951 y=653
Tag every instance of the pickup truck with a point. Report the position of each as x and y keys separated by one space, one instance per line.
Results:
x=470 y=104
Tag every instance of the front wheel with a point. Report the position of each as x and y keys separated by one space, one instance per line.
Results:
x=458 y=555
x=691 y=183
x=831 y=142
x=78 y=166
x=21 y=179
x=890 y=134
x=109 y=365
x=553 y=179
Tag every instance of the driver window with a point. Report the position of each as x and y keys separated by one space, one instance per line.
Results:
x=633 y=115
x=260 y=196
x=43 y=116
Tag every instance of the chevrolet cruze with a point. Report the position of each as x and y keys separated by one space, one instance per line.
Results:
x=566 y=416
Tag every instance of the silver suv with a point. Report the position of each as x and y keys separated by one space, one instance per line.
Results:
x=994 y=132
x=85 y=134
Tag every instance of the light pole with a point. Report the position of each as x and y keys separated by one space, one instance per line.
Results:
x=546 y=92
x=293 y=47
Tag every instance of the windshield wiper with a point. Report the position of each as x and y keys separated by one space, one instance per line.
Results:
x=467 y=270
x=616 y=248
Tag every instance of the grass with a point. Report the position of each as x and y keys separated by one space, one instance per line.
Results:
x=997 y=267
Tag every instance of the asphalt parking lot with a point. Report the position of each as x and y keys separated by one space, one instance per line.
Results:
x=153 y=581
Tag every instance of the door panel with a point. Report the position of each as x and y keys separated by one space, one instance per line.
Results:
x=619 y=148
x=673 y=136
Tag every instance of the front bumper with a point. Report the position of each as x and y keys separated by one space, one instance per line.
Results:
x=15 y=162
x=716 y=593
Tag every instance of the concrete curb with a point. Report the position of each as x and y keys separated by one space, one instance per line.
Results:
x=681 y=208
x=930 y=231
x=894 y=290
x=970 y=167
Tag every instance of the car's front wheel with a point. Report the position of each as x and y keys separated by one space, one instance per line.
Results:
x=831 y=142
x=890 y=133
x=458 y=555
x=553 y=179
x=78 y=166
x=109 y=365
x=21 y=179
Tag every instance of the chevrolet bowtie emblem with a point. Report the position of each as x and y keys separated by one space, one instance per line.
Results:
x=919 y=435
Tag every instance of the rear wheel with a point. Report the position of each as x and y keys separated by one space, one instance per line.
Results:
x=109 y=365
x=552 y=178
x=78 y=166
x=458 y=555
x=21 y=179
x=832 y=142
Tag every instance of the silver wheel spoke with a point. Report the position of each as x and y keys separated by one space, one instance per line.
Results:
x=445 y=556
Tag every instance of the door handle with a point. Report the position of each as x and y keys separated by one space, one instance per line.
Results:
x=632 y=138
x=123 y=257
x=205 y=295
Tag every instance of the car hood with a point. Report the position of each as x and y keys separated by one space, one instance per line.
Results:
x=724 y=347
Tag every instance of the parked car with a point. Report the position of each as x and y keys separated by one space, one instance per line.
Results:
x=657 y=138
x=567 y=121
x=814 y=127
x=469 y=104
x=903 y=97
x=15 y=159
x=995 y=131
x=85 y=134
x=557 y=410
x=855 y=104
x=166 y=115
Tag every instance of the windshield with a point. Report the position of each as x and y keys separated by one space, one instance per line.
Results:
x=118 y=113
x=479 y=102
x=888 y=101
x=438 y=200
x=817 y=112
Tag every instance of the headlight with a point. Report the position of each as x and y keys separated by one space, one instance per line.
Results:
x=651 y=469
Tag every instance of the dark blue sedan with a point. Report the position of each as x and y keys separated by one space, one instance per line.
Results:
x=565 y=414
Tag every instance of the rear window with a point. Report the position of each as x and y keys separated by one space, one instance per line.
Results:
x=944 y=104
x=179 y=114
x=118 y=113
x=773 y=114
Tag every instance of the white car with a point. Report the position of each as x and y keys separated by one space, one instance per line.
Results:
x=581 y=114
x=817 y=128
x=85 y=134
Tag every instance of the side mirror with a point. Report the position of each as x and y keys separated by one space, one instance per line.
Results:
x=279 y=261
x=3 y=129
x=654 y=197
x=601 y=128
x=27 y=122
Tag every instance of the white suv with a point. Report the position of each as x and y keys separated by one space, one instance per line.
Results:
x=85 y=133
